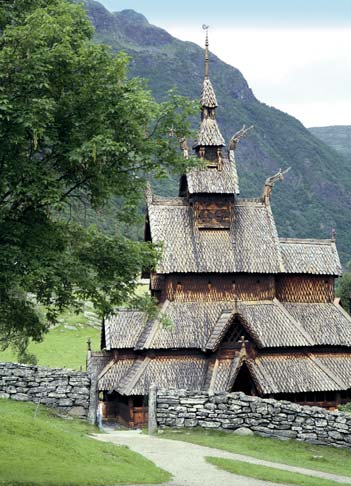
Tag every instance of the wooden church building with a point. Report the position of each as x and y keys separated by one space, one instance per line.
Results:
x=248 y=309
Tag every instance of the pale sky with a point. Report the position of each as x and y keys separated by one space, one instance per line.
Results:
x=295 y=55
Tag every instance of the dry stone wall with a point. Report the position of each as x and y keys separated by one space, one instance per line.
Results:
x=66 y=390
x=265 y=417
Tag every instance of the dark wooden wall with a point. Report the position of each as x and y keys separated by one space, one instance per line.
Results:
x=305 y=288
x=214 y=287
x=228 y=287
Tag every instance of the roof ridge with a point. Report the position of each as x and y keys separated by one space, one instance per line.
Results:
x=213 y=377
x=267 y=377
x=155 y=325
x=245 y=201
x=326 y=370
x=321 y=241
x=275 y=236
x=135 y=378
x=228 y=314
x=342 y=310
x=109 y=365
x=297 y=324
x=255 y=302
x=125 y=309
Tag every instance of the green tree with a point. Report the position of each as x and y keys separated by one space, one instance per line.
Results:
x=343 y=289
x=73 y=131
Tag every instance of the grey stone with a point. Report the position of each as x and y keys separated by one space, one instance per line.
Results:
x=243 y=431
x=65 y=402
x=209 y=424
x=77 y=412
x=334 y=434
x=22 y=397
x=190 y=422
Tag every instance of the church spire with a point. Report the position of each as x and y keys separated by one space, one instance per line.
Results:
x=209 y=141
x=206 y=27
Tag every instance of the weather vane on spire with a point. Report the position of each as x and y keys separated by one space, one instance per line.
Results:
x=206 y=27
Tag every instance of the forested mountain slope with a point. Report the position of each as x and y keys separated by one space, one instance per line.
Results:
x=315 y=196
x=337 y=136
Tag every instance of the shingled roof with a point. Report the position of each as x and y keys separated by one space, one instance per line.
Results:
x=221 y=374
x=310 y=256
x=299 y=372
x=272 y=373
x=211 y=180
x=123 y=329
x=208 y=98
x=202 y=325
x=209 y=134
x=251 y=244
x=129 y=377
x=326 y=324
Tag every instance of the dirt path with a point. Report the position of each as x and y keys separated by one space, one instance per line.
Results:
x=186 y=462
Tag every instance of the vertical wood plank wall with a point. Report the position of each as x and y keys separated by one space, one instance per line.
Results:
x=214 y=287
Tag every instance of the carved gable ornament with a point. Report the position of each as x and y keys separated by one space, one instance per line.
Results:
x=211 y=214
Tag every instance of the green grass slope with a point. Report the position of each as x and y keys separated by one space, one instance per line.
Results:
x=314 y=198
x=48 y=451
x=64 y=346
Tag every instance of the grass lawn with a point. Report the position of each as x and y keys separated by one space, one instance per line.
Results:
x=48 y=451
x=62 y=347
x=65 y=346
x=300 y=454
x=269 y=473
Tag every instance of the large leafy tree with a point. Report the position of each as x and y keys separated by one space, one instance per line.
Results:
x=73 y=130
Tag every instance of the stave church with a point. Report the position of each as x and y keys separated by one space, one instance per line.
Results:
x=248 y=310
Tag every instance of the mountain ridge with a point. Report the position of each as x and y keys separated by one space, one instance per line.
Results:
x=314 y=198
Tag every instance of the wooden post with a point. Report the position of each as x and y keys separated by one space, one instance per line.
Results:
x=152 y=420
x=94 y=393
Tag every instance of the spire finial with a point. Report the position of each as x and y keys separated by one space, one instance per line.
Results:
x=206 y=27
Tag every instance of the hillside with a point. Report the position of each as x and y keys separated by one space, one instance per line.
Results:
x=39 y=449
x=313 y=199
x=338 y=137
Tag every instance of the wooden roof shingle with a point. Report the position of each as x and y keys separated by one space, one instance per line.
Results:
x=318 y=257
x=202 y=325
x=135 y=378
x=251 y=244
x=296 y=373
x=211 y=180
x=209 y=134
x=122 y=330
x=208 y=97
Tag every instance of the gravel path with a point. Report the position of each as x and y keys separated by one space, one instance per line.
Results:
x=186 y=462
